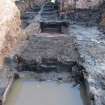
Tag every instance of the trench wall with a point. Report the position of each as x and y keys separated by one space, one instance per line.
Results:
x=10 y=31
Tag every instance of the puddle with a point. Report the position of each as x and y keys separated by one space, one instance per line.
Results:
x=31 y=92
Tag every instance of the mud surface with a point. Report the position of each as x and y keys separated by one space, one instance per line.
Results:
x=48 y=46
x=91 y=46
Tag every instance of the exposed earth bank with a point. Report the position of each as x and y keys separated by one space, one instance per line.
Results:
x=10 y=30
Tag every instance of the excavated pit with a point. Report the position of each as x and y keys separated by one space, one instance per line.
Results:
x=53 y=61
x=47 y=79
x=47 y=59
x=52 y=55
x=31 y=92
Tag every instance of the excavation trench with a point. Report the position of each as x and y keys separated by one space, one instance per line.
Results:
x=50 y=82
x=47 y=66
x=29 y=92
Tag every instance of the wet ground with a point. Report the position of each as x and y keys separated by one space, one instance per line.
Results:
x=29 y=92
x=47 y=45
x=83 y=44
x=91 y=46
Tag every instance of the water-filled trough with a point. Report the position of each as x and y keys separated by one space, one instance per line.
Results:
x=30 y=92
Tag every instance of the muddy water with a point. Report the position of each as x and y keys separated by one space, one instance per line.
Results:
x=30 y=92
